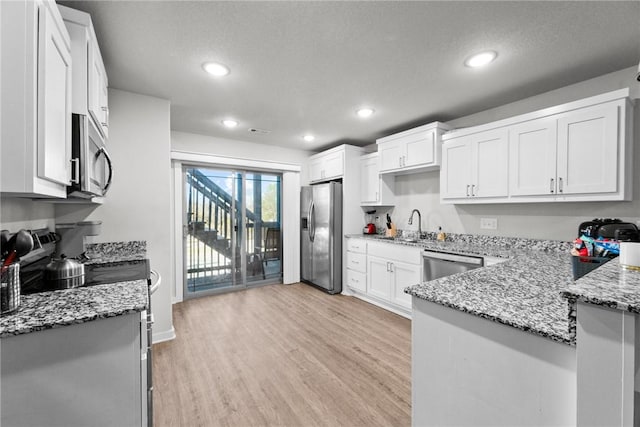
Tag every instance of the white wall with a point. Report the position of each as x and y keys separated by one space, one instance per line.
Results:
x=183 y=141
x=239 y=153
x=138 y=206
x=557 y=221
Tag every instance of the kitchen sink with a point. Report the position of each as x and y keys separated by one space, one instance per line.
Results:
x=406 y=240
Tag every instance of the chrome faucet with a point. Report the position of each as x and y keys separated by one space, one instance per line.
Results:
x=419 y=222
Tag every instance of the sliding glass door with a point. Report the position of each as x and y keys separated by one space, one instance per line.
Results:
x=232 y=230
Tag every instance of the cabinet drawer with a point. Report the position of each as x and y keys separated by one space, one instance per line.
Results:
x=357 y=245
x=395 y=252
x=357 y=280
x=357 y=262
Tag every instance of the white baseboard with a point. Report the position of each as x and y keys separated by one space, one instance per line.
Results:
x=159 y=337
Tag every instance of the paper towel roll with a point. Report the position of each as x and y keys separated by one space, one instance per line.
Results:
x=630 y=255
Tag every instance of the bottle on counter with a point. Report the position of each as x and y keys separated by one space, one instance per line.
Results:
x=441 y=235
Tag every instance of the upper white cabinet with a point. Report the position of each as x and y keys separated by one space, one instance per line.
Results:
x=580 y=151
x=532 y=156
x=330 y=164
x=414 y=150
x=90 y=83
x=589 y=137
x=36 y=100
x=327 y=166
x=376 y=189
x=475 y=166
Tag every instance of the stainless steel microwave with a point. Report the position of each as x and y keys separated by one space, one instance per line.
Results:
x=92 y=169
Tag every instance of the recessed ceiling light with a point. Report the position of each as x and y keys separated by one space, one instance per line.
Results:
x=365 y=112
x=480 y=59
x=215 y=69
x=309 y=138
x=230 y=123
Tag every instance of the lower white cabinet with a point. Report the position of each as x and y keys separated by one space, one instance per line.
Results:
x=389 y=269
x=89 y=374
x=388 y=278
x=357 y=264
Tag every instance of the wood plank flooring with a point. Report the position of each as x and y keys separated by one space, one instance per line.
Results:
x=283 y=355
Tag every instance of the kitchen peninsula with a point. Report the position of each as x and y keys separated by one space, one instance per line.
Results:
x=520 y=342
x=78 y=357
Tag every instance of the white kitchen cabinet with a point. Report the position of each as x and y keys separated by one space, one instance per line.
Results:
x=402 y=275
x=390 y=269
x=532 y=157
x=378 y=279
x=387 y=280
x=376 y=189
x=588 y=150
x=579 y=151
x=89 y=374
x=36 y=100
x=357 y=264
x=327 y=166
x=475 y=166
x=567 y=154
x=98 y=91
x=414 y=150
x=90 y=93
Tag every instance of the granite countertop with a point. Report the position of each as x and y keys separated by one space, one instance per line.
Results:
x=524 y=291
x=609 y=285
x=54 y=309
x=112 y=252
x=533 y=290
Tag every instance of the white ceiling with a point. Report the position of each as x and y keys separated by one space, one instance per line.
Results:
x=304 y=67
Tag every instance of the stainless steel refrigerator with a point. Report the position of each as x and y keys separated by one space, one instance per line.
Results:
x=321 y=236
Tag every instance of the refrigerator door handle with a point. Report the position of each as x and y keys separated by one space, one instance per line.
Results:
x=312 y=221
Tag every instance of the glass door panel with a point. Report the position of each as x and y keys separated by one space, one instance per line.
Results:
x=232 y=229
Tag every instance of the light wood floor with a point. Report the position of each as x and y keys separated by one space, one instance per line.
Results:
x=283 y=355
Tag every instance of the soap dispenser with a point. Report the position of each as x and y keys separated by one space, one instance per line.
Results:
x=441 y=236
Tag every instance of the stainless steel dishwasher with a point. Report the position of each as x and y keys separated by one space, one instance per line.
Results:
x=440 y=264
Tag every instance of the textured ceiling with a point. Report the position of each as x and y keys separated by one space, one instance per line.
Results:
x=304 y=67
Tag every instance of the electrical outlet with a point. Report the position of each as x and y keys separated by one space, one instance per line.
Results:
x=489 y=223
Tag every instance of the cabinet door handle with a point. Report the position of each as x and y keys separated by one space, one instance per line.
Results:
x=551 y=186
x=377 y=196
x=391 y=267
x=560 y=185
x=355 y=262
x=468 y=190
x=75 y=176
x=473 y=190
